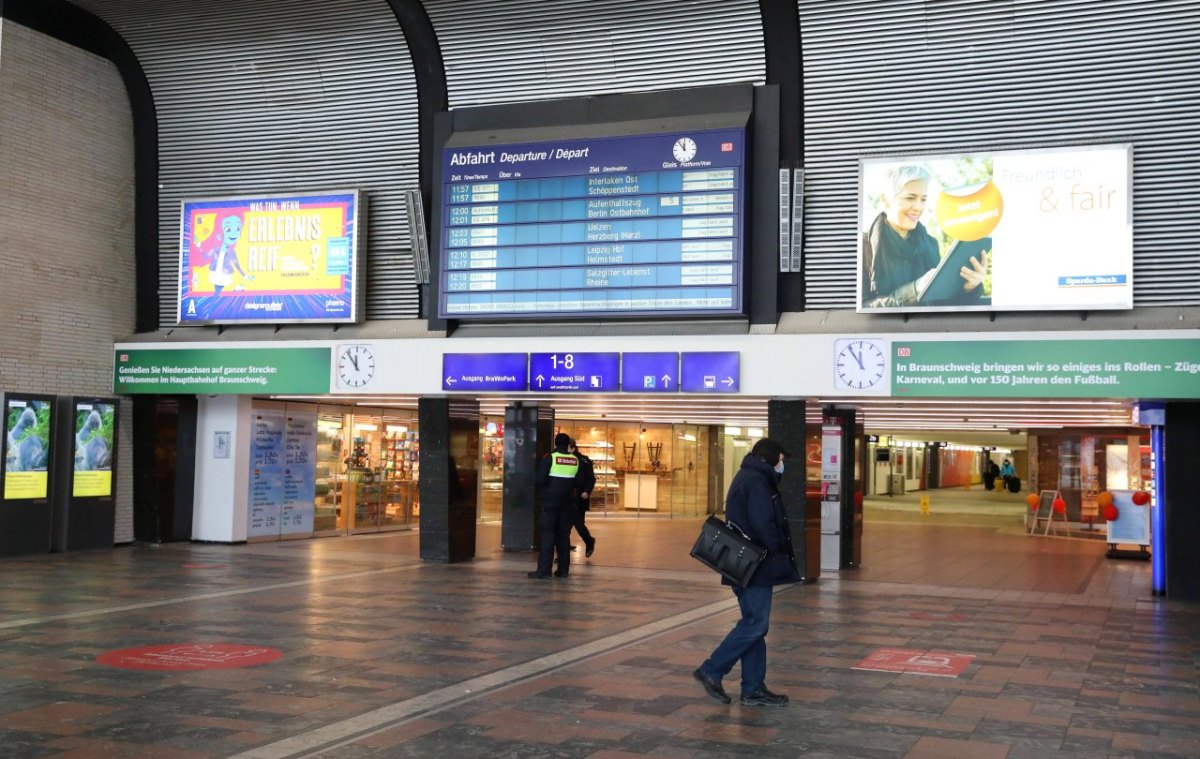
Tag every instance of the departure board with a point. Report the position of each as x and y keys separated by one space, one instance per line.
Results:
x=631 y=226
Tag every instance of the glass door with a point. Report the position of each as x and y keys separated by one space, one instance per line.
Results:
x=399 y=472
x=328 y=514
x=689 y=470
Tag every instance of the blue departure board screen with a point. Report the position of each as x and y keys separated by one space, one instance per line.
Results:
x=629 y=226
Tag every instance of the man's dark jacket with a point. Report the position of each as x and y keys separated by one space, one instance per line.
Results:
x=755 y=506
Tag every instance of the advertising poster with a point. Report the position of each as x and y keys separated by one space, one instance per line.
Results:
x=266 y=473
x=279 y=258
x=1132 y=525
x=299 y=471
x=94 y=445
x=26 y=448
x=1000 y=231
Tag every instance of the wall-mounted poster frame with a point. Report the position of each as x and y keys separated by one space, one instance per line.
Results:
x=272 y=258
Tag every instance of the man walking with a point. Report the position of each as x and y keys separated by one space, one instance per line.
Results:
x=586 y=483
x=755 y=506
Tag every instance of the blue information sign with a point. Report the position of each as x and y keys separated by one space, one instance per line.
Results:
x=636 y=225
x=485 y=371
x=650 y=372
x=570 y=372
x=715 y=372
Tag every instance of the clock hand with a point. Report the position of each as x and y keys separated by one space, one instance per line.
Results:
x=354 y=360
x=857 y=358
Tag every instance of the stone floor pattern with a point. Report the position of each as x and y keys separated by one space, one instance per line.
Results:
x=387 y=656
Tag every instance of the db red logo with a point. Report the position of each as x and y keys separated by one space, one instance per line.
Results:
x=124 y=357
x=726 y=147
x=904 y=352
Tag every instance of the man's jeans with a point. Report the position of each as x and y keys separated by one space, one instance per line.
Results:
x=746 y=641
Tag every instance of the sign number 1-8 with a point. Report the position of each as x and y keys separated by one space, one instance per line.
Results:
x=566 y=361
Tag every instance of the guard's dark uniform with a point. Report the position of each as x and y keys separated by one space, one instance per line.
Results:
x=557 y=474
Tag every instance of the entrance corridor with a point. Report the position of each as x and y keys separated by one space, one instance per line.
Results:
x=385 y=656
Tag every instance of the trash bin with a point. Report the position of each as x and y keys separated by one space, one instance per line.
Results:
x=897 y=484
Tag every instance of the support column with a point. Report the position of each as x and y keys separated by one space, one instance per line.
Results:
x=1180 y=479
x=785 y=421
x=528 y=436
x=449 y=477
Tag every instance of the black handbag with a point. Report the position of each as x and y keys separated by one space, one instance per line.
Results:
x=725 y=548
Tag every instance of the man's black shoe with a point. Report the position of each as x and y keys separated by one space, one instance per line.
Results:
x=537 y=576
x=574 y=547
x=560 y=574
x=712 y=687
x=591 y=548
x=765 y=697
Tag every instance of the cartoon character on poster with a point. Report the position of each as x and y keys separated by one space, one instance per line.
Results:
x=213 y=257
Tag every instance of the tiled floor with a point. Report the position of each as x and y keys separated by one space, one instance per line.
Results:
x=386 y=656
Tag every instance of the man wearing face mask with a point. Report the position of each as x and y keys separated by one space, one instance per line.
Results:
x=755 y=506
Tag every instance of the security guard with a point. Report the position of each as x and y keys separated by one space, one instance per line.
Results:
x=557 y=477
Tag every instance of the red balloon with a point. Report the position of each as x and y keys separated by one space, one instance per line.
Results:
x=1111 y=513
x=1059 y=506
x=1141 y=498
x=1032 y=500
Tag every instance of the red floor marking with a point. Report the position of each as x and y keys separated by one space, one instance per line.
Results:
x=190 y=656
x=933 y=663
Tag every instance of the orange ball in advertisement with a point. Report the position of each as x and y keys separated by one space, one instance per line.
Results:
x=970 y=213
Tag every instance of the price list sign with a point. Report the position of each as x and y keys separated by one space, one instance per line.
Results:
x=633 y=226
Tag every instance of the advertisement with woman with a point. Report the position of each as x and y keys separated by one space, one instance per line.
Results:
x=1006 y=230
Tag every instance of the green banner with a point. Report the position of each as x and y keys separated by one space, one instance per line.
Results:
x=221 y=371
x=1046 y=369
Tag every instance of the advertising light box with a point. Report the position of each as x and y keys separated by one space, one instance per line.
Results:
x=1027 y=230
x=632 y=225
x=26 y=447
x=271 y=258
x=95 y=424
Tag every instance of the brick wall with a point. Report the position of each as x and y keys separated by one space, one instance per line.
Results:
x=66 y=227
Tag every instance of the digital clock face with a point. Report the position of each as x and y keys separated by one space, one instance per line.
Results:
x=684 y=149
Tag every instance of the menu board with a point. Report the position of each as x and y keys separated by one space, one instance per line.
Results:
x=633 y=225
x=299 y=471
x=266 y=473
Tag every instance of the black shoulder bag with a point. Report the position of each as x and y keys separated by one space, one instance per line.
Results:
x=724 y=548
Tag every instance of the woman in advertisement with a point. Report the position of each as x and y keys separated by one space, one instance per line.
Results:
x=899 y=255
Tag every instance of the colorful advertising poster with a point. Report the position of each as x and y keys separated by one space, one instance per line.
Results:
x=26 y=448
x=266 y=473
x=95 y=422
x=299 y=471
x=1029 y=230
x=277 y=258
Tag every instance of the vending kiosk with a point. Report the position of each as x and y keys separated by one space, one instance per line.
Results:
x=85 y=458
x=26 y=466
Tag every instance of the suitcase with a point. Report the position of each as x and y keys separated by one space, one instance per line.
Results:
x=1014 y=484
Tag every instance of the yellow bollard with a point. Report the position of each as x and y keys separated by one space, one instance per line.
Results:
x=924 y=505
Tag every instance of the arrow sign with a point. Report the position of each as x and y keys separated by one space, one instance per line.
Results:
x=575 y=372
x=710 y=372
x=485 y=371
x=649 y=372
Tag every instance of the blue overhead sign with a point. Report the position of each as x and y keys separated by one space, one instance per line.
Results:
x=574 y=372
x=650 y=372
x=715 y=372
x=485 y=371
